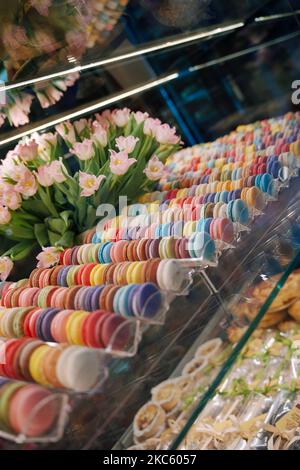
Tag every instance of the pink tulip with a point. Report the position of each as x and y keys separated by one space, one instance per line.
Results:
x=41 y=6
x=81 y=125
x=49 y=138
x=61 y=85
x=89 y=183
x=17 y=116
x=140 y=117
x=155 y=169
x=27 y=185
x=6 y=266
x=44 y=176
x=120 y=117
x=150 y=126
x=56 y=171
x=43 y=99
x=27 y=151
x=53 y=95
x=8 y=165
x=24 y=101
x=126 y=144
x=16 y=171
x=119 y=162
x=107 y=114
x=67 y=132
x=83 y=150
x=71 y=79
x=46 y=143
x=99 y=134
x=102 y=121
x=166 y=135
x=10 y=198
x=49 y=257
x=5 y=216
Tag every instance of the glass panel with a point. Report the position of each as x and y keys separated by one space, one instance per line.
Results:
x=205 y=82
x=245 y=368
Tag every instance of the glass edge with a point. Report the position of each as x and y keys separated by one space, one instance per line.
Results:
x=233 y=356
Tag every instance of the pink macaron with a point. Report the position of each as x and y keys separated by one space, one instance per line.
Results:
x=31 y=412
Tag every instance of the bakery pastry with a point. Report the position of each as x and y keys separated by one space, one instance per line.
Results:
x=149 y=421
x=196 y=368
x=209 y=348
x=167 y=394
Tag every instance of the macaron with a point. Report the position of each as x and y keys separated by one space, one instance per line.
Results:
x=78 y=368
x=30 y=411
x=170 y=276
x=116 y=333
x=91 y=329
x=147 y=300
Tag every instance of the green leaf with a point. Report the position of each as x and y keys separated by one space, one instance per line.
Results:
x=81 y=208
x=35 y=207
x=59 y=197
x=40 y=232
x=67 y=216
x=66 y=240
x=54 y=238
x=22 y=250
x=90 y=217
x=57 y=225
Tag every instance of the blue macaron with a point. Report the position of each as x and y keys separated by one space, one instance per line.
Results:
x=258 y=180
x=224 y=196
x=203 y=225
x=104 y=253
x=147 y=300
x=239 y=212
x=201 y=245
x=123 y=301
x=266 y=183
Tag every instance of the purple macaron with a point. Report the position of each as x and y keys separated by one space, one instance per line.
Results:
x=43 y=324
x=147 y=300
x=78 y=298
x=154 y=248
x=95 y=298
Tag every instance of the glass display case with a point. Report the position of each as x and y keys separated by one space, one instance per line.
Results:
x=214 y=345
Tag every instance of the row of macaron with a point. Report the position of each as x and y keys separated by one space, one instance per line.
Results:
x=73 y=367
x=264 y=182
x=132 y=300
x=265 y=141
x=98 y=329
x=237 y=166
x=220 y=170
x=235 y=210
x=199 y=245
x=250 y=139
x=197 y=169
x=142 y=249
x=219 y=229
x=27 y=409
x=252 y=198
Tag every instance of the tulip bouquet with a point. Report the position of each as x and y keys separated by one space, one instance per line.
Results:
x=57 y=29
x=52 y=184
x=18 y=104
